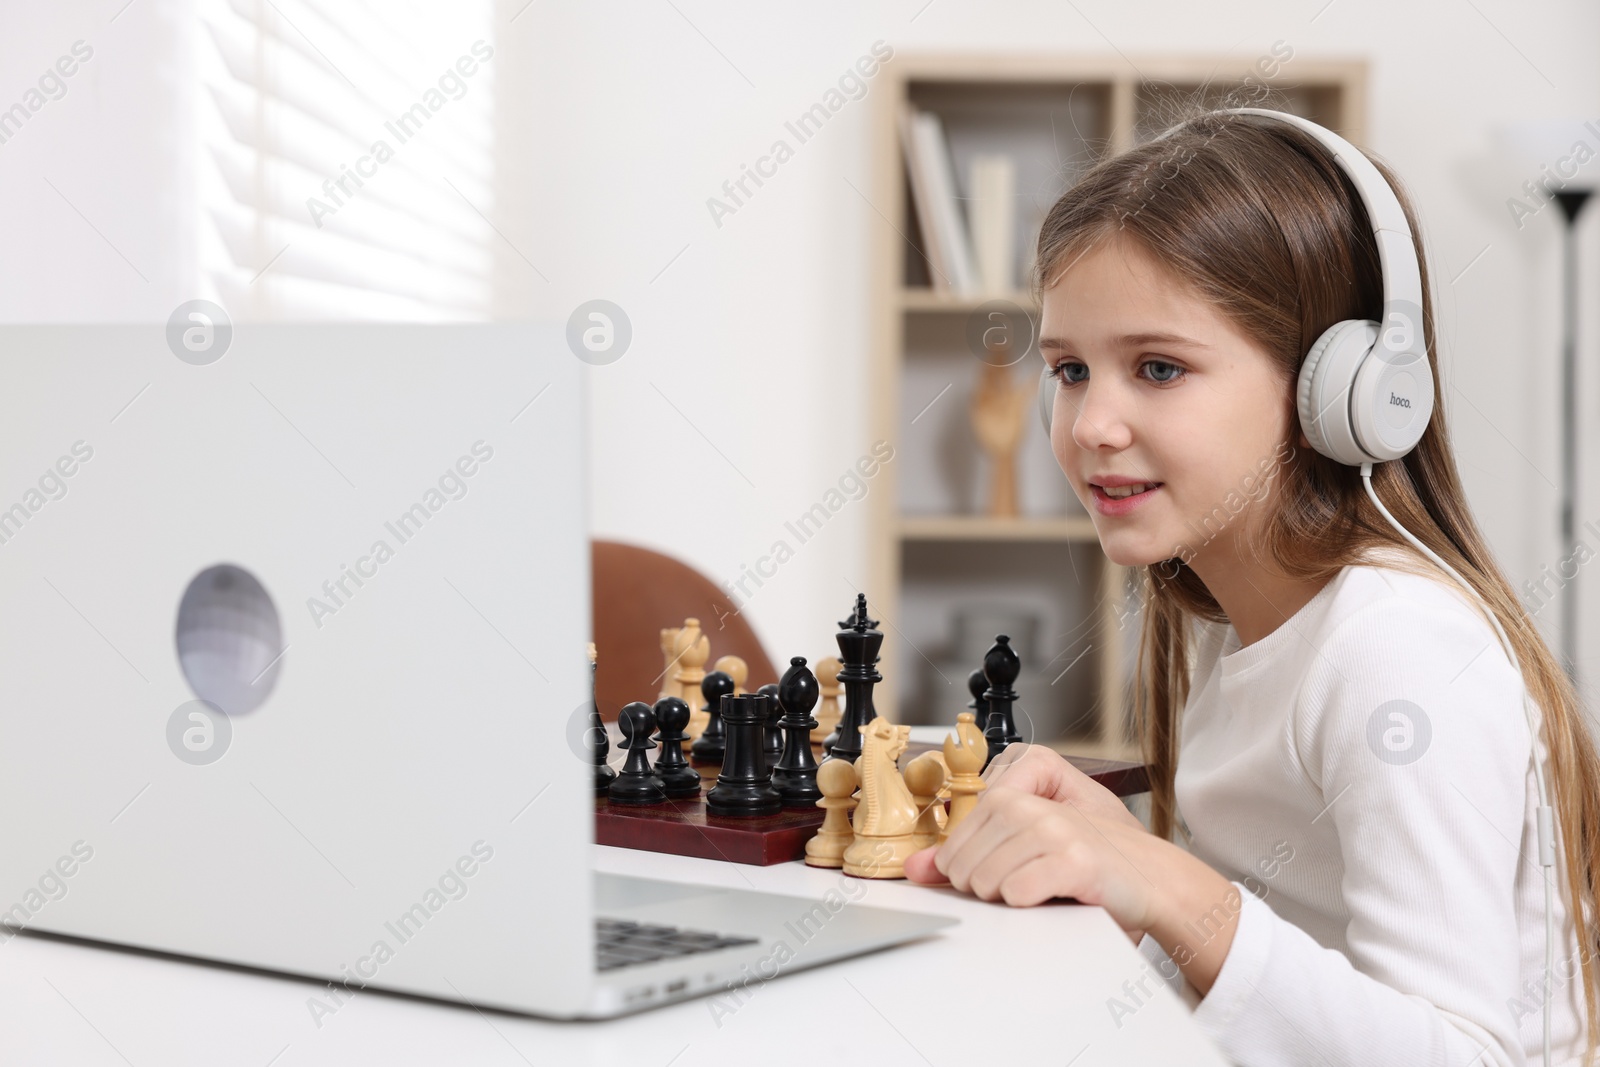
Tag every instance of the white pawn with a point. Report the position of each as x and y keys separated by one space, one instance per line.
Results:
x=837 y=780
x=734 y=668
x=925 y=778
x=828 y=668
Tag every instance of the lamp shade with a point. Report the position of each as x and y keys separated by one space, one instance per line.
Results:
x=1561 y=154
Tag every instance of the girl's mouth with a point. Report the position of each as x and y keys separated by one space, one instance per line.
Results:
x=1124 y=502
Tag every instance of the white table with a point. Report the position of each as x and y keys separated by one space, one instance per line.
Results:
x=1005 y=986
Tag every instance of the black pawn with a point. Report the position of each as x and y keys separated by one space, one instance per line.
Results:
x=672 y=769
x=1000 y=667
x=599 y=744
x=795 y=776
x=636 y=785
x=744 y=787
x=772 y=749
x=976 y=684
x=859 y=641
x=712 y=742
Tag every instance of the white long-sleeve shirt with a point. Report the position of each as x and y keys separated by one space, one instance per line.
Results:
x=1363 y=775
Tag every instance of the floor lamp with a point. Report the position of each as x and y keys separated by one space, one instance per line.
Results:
x=1572 y=202
x=1555 y=162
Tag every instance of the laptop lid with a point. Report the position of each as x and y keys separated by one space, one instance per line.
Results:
x=365 y=544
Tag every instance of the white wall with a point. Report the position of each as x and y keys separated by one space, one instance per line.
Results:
x=738 y=404
x=116 y=149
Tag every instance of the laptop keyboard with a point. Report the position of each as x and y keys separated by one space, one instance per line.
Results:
x=620 y=943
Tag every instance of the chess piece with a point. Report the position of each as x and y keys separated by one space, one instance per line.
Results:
x=976 y=685
x=636 y=785
x=744 y=788
x=734 y=668
x=886 y=818
x=599 y=742
x=924 y=779
x=677 y=778
x=999 y=412
x=716 y=687
x=943 y=795
x=795 y=774
x=690 y=650
x=1001 y=667
x=772 y=740
x=859 y=641
x=669 y=670
x=965 y=754
x=836 y=780
x=828 y=712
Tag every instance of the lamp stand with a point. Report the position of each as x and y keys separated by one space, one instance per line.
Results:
x=1572 y=202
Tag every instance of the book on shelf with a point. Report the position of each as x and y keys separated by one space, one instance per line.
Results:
x=934 y=194
x=992 y=211
x=922 y=201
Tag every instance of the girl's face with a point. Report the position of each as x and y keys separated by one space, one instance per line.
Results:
x=1153 y=384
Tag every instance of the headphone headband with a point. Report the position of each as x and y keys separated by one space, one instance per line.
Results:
x=1402 y=276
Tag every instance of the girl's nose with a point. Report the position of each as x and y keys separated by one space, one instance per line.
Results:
x=1097 y=417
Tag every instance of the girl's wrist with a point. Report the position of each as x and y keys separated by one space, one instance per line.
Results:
x=1196 y=920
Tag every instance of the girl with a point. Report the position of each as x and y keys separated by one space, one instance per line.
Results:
x=1351 y=771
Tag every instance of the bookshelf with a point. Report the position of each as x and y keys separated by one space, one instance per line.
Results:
x=946 y=576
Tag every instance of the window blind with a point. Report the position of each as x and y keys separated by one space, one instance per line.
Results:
x=347 y=162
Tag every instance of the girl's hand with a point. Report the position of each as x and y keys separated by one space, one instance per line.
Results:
x=1043 y=772
x=1025 y=849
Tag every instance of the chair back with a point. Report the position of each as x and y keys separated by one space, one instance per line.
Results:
x=637 y=593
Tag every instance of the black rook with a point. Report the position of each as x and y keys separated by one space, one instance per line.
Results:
x=745 y=785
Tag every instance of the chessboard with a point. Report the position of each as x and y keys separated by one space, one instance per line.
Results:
x=765 y=750
x=683 y=827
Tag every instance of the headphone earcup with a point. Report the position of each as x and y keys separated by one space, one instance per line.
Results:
x=1323 y=395
x=1358 y=406
x=1392 y=403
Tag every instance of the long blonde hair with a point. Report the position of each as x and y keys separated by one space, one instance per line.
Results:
x=1260 y=220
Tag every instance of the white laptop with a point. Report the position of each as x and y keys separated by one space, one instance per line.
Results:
x=368 y=546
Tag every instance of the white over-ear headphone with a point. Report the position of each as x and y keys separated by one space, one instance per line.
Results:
x=1365 y=396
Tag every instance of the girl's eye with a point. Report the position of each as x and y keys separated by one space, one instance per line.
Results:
x=1065 y=372
x=1177 y=371
x=1061 y=372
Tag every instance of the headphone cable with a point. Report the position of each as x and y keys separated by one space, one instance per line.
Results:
x=1546 y=816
